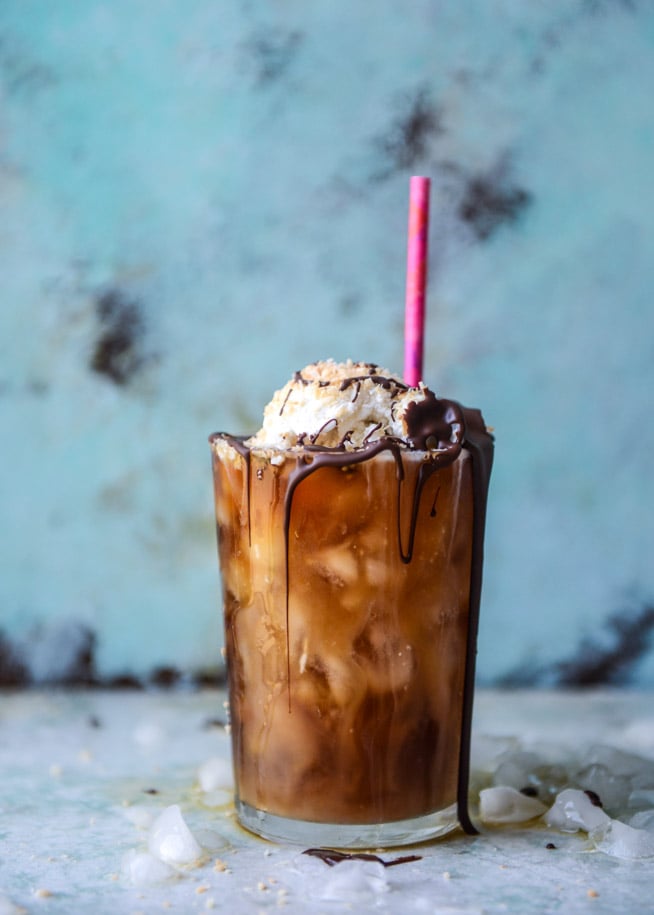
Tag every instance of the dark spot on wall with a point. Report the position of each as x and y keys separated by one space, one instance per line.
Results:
x=349 y=304
x=593 y=664
x=489 y=201
x=80 y=670
x=597 y=7
x=118 y=352
x=626 y=639
x=210 y=679
x=21 y=75
x=210 y=724
x=407 y=141
x=165 y=677
x=271 y=53
x=13 y=671
x=122 y=681
x=563 y=28
x=37 y=387
x=61 y=653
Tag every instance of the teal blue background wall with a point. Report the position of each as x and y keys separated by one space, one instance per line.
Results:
x=199 y=198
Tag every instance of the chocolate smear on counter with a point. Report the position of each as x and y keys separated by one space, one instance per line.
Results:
x=331 y=857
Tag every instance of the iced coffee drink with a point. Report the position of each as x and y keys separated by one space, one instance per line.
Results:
x=350 y=534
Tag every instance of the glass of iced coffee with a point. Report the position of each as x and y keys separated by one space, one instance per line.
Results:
x=350 y=532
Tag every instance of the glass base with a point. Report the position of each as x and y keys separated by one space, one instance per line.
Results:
x=334 y=835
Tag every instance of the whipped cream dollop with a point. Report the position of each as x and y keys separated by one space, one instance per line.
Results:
x=351 y=405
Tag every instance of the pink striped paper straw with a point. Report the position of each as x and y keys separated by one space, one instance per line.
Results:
x=416 y=279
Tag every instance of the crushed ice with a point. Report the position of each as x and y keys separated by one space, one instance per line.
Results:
x=140 y=868
x=171 y=840
x=623 y=841
x=643 y=820
x=605 y=792
x=140 y=815
x=357 y=881
x=574 y=810
x=171 y=845
x=504 y=804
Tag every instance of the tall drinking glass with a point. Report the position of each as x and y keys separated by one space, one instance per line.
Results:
x=351 y=585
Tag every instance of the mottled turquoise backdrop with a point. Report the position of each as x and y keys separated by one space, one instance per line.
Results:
x=199 y=198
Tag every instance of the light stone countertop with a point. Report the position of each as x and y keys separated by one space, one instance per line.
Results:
x=82 y=774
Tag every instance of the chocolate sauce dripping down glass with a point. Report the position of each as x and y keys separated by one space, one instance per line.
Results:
x=479 y=443
x=238 y=444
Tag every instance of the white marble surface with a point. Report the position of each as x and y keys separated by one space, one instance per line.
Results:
x=76 y=769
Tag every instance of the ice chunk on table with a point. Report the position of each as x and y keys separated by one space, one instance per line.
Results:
x=613 y=790
x=141 y=868
x=618 y=762
x=354 y=881
x=643 y=820
x=622 y=841
x=574 y=810
x=504 y=804
x=140 y=815
x=170 y=839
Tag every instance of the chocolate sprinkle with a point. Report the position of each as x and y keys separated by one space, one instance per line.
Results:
x=593 y=797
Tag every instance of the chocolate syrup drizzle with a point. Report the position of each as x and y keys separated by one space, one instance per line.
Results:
x=440 y=428
x=332 y=856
